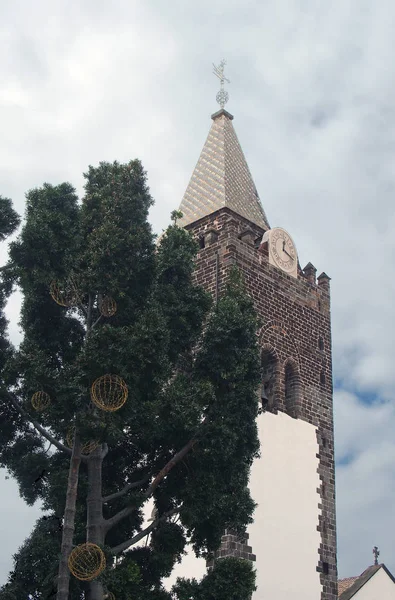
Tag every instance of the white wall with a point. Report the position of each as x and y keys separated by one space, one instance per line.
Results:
x=284 y=534
x=379 y=587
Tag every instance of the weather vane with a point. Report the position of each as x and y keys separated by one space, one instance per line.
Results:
x=376 y=553
x=222 y=96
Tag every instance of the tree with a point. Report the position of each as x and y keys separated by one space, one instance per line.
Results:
x=186 y=435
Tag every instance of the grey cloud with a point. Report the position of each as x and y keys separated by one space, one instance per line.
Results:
x=311 y=90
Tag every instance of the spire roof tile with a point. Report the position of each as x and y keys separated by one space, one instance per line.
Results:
x=222 y=178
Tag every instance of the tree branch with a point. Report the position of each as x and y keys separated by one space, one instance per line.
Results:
x=97 y=321
x=89 y=314
x=168 y=467
x=125 y=512
x=39 y=428
x=125 y=545
x=125 y=490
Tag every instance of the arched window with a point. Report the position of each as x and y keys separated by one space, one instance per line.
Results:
x=292 y=389
x=269 y=379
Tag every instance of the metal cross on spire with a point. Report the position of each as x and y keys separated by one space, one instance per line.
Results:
x=376 y=553
x=222 y=96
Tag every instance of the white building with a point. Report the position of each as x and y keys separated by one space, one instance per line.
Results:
x=375 y=583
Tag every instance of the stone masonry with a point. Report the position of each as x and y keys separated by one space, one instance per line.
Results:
x=234 y=545
x=295 y=338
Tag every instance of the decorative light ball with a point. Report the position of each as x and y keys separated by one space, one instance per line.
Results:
x=86 y=561
x=70 y=436
x=108 y=306
x=89 y=447
x=40 y=401
x=86 y=448
x=109 y=392
x=64 y=294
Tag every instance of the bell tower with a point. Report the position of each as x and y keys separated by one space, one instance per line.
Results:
x=292 y=540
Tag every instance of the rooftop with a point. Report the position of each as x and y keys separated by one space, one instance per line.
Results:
x=222 y=178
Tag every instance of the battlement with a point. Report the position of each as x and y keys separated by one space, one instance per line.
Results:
x=228 y=234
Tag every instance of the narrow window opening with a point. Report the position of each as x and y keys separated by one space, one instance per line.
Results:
x=319 y=305
x=322 y=378
x=320 y=343
x=269 y=374
x=201 y=242
x=325 y=568
x=292 y=390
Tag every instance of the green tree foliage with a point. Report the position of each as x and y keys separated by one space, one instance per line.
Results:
x=9 y=221
x=35 y=570
x=186 y=436
x=230 y=579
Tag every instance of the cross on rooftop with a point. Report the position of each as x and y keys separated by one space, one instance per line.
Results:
x=376 y=553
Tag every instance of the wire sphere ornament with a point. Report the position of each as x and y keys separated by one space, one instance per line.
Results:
x=89 y=447
x=86 y=561
x=70 y=436
x=64 y=294
x=109 y=392
x=107 y=306
x=40 y=401
x=86 y=448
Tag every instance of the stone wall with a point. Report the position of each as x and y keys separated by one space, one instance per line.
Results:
x=295 y=334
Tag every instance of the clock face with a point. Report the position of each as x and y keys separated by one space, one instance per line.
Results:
x=283 y=250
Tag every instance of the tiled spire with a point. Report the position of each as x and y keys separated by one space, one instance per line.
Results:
x=222 y=178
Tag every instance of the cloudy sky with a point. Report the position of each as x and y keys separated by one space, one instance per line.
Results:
x=312 y=91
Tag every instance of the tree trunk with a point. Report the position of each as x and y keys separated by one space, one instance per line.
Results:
x=94 y=526
x=69 y=521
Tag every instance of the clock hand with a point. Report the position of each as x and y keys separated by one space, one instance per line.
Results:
x=291 y=257
x=284 y=250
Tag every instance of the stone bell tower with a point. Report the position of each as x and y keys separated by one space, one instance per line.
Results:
x=292 y=540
